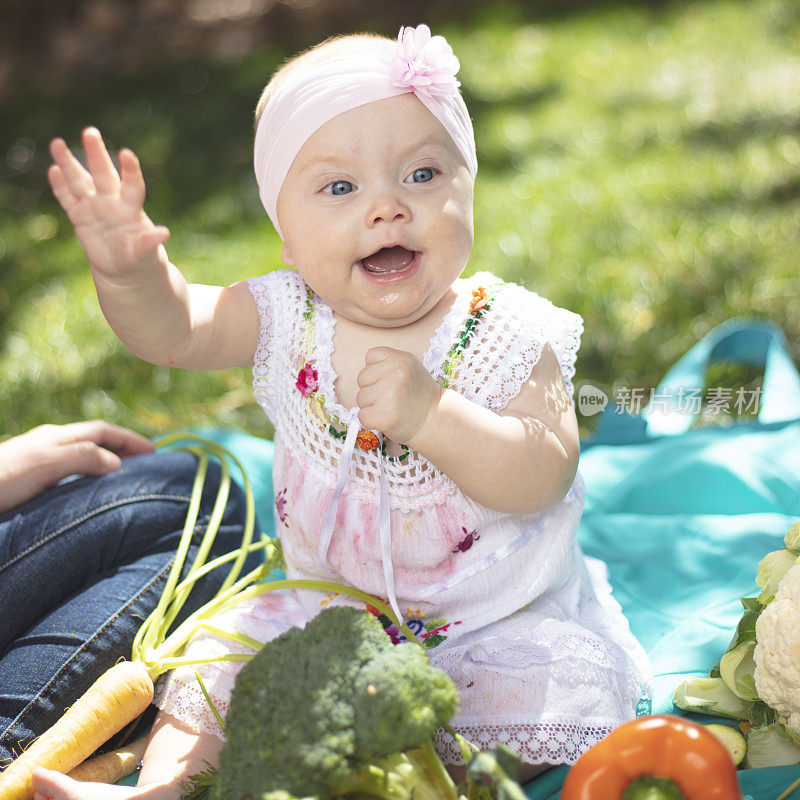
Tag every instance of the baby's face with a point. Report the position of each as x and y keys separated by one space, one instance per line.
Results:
x=382 y=175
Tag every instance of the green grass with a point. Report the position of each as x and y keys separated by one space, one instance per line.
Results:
x=638 y=166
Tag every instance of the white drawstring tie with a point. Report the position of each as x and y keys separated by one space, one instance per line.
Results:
x=385 y=523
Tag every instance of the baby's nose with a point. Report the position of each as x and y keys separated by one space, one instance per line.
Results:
x=388 y=208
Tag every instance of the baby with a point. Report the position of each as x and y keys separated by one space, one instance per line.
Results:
x=426 y=442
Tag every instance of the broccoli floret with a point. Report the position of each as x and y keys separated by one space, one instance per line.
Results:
x=402 y=701
x=336 y=710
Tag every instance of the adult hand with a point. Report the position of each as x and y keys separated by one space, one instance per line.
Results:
x=40 y=458
x=106 y=207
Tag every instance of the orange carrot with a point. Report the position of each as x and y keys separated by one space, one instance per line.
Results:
x=111 y=767
x=110 y=703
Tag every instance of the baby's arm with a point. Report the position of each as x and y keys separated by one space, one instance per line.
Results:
x=144 y=297
x=519 y=461
x=174 y=752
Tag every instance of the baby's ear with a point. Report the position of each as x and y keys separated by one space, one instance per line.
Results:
x=287 y=257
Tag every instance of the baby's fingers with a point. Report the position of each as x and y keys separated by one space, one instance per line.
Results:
x=370 y=374
x=77 y=179
x=60 y=187
x=133 y=189
x=102 y=168
x=50 y=785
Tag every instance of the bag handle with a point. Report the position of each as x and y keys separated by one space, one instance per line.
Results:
x=745 y=340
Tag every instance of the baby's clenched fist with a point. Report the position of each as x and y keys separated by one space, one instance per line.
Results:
x=396 y=394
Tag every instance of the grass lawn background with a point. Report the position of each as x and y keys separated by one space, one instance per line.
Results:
x=638 y=166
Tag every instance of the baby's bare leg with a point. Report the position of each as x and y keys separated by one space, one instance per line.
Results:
x=175 y=752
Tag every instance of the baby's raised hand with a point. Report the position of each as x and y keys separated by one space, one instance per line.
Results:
x=396 y=393
x=106 y=208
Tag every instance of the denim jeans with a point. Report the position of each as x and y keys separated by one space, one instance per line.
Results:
x=81 y=566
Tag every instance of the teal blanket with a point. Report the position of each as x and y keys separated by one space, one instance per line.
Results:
x=682 y=523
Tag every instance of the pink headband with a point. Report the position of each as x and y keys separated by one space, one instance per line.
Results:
x=377 y=69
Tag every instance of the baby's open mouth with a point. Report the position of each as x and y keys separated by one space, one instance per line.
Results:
x=388 y=260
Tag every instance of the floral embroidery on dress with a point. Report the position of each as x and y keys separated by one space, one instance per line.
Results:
x=434 y=631
x=280 y=506
x=308 y=384
x=481 y=302
x=469 y=539
x=431 y=634
x=480 y=298
x=367 y=440
x=329 y=597
x=307 y=380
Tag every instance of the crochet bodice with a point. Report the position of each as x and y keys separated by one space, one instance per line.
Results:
x=501 y=348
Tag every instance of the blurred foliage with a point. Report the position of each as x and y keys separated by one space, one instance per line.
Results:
x=638 y=165
x=54 y=41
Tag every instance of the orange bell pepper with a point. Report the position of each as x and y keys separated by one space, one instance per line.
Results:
x=669 y=754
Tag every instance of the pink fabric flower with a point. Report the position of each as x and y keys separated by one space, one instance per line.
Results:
x=307 y=380
x=424 y=63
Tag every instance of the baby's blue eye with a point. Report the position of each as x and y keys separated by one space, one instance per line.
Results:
x=339 y=187
x=422 y=175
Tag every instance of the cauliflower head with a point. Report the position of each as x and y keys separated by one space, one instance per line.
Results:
x=777 y=651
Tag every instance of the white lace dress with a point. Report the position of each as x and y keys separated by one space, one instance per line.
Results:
x=526 y=626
